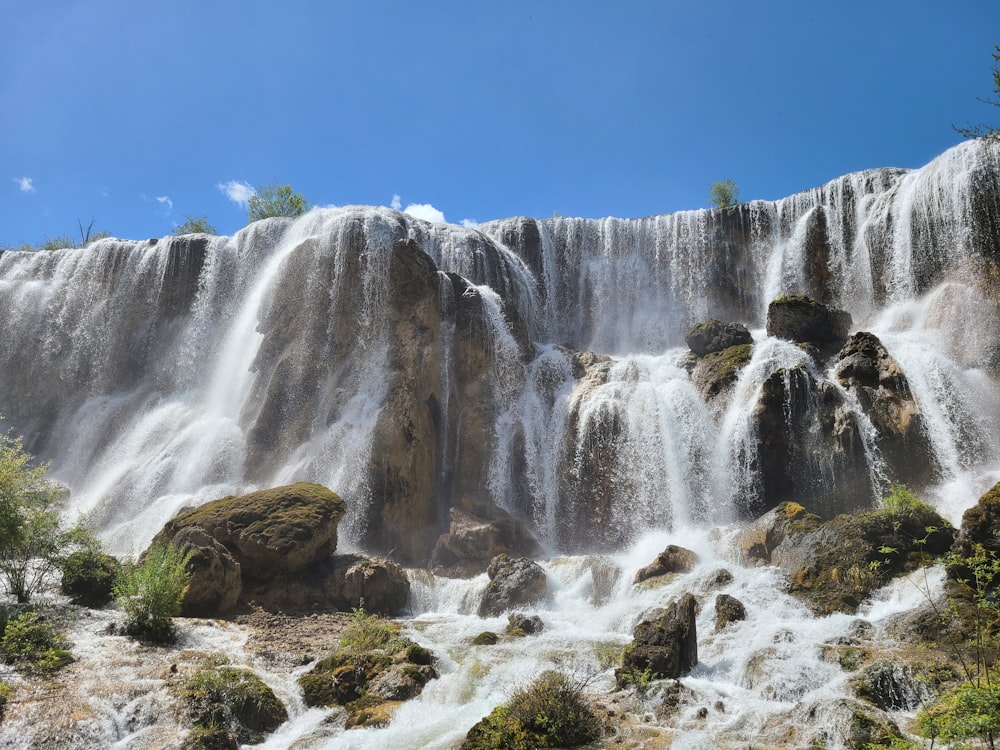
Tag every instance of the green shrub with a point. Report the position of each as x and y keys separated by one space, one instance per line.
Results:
x=275 y=200
x=368 y=632
x=31 y=643
x=232 y=699
x=88 y=577
x=150 y=593
x=902 y=501
x=550 y=712
x=968 y=711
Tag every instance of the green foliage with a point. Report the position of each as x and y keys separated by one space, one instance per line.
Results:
x=275 y=200
x=195 y=225
x=150 y=592
x=902 y=501
x=88 y=577
x=982 y=131
x=32 y=538
x=235 y=700
x=967 y=711
x=368 y=632
x=33 y=644
x=724 y=194
x=550 y=712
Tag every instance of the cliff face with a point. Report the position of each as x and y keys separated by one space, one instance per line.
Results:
x=534 y=365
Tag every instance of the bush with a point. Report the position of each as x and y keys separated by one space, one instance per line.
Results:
x=368 y=632
x=275 y=200
x=31 y=643
x=550 y=712
x=150 y=593
x=902 y=501
x=88 y=577
x=195 y=225
x=724 y=194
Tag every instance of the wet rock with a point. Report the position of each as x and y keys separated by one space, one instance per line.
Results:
x=280 y=530
x=514 y=582
x=763 y=536
x=486 y=638
x=980 y=528
x=673 y=559
x=402 y=681
x=475 y=538
x=718 y=579
x=866 y=368
x=380 y=586
x=666 y=644
x=519 y=623
x=716 y=373
x=799 y=318
x=890 y=686
x=714 y=336
x=728 y=609
x=216 y=579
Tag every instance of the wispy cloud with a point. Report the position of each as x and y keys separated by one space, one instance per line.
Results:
x=25 y=184
x=396 y=203
x=237 y=191
x=425 y=211
x=165 y=200
x=469 y=223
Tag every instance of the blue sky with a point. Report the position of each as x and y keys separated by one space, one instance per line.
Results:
x=136 y=114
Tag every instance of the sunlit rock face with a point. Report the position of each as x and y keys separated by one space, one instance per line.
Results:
x=538 y=366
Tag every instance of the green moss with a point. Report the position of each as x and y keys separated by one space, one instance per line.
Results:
x=231 y=698
x=321 y=689
x=32 y=644
x=417 y=654
x=210 y=738
x=728 y=362
x=550 y=712
x=486 y=638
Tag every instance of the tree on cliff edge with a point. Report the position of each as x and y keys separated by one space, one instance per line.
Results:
x=275 y=200
x=982 y=131
x=724 y=194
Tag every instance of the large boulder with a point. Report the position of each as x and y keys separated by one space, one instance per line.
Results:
x=280 y=530
x=380 y=586
x=866 y=368
x=714 y=336
x=514 y=582
x=476 y=537
x=728 y=609
x=665 y=646
x=716 y=373
x=799 y=318
x=980 y=529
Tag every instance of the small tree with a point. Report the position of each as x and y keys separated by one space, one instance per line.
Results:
x=150 y=592
x=195 y=225
x=275 y=200
x=981 y=131
x=724 y=194
x=32 y=539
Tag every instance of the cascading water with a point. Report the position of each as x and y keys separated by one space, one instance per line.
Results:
x=549 y=373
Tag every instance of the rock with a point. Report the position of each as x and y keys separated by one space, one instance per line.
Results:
x=514 y=582
x=666 y=644
x=380 y=586
x=714 y=336
x=718 y=578
x=216 y=579
x=866 y=368
x=475 y=538
x=486 y=638
x=401 y=682
x=716 y=373
x=673 y=559
x=519 y=623
x=891 y=686
x=800 y=318
x=761 y=538
x=728 y=609
x=232 y=698
x=980 y=528
x=280 y=530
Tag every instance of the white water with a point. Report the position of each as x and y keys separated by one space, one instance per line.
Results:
x=151 y=387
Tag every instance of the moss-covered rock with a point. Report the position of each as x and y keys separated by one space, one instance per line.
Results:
x=716 y=373
x=279 y=530
x=486 y=638
x=714 y=336
x=230 y=698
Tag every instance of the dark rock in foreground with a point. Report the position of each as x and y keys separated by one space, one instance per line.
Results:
x=664 y=646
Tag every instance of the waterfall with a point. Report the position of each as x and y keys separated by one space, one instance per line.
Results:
x=538 y=365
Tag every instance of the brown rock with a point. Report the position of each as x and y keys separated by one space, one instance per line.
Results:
x=513 y=583
x=673 y=559
x=728 y=609
x=666 y=644
x=473 y=540
x=216 y=580
x=714 y=336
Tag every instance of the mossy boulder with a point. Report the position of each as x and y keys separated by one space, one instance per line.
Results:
x=716 y=373
x=230 y=698
x=837 y=564
x=279 y=530
x=980 y=529
x=714 y=336
x=664 y=646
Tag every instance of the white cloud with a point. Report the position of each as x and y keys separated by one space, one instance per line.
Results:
x=25 y=184
x=237 y=191
x=469 y=223
x=425 y=211
x=396 y=203
x=165 y=200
